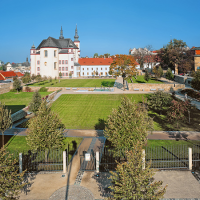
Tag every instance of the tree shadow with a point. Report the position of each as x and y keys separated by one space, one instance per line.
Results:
x=107 y=83
x=118 y=85
x=15 y=108
x=100 y=125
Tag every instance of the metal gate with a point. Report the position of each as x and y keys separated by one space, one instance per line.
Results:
x=87 y=165
x=35 y=161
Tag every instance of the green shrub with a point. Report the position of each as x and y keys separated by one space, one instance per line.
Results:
x=13 y=90
x=43 y=89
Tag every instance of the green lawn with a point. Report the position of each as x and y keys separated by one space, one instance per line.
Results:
x=18 y=144
x=17 y=101
x=76 y=83
x=140 y=79
x=89 y=111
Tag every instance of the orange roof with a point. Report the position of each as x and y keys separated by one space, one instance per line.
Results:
x=19 y=74
x=1 y=77
x=95 y=61
x=8 y=74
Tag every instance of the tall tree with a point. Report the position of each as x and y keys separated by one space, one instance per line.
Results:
x=26 y=78
x=17 y=84
x=159 y=100
x=176 y=53
x=158 y=71
x=11 y=182
x=5 y=120
x=147 y=76
x=131 y=181
x=128 y=124
x=169 y=74
x=123 y=65
x=196 y=81
x=45 y=131
x=36 y=102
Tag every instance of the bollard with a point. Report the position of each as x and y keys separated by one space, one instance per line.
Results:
x=190 y=158
x=143 y=159
x=97 y=162
x=20 y=162
x=64 y=162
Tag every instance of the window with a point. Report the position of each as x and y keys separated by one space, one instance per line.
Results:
x=106 y=68
x=66 y=62
x=45 y=53
x=83 y=68
x=87 y=73
x=92 y=73
x=101 y=68
x=63 y=69
x=38 y=69
x=71 y=50
x=59 y=61
x=66 y=68
x=87 y=68
x=63 y=74
x=45 y=63
x=38 y=62
x=97 y=69
x=66 y=74
x=33 y=51
x=63 y=62
x=59 y=68
x=101 y=73
x=71 y=67
x=106 y=73
x=71 y=59
x=55 y=67
x=83 y=73
x=92 y=68
x=38 y=73
x=54 y=53
x=72 y=72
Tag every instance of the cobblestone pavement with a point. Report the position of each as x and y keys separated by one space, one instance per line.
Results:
x=72 y=192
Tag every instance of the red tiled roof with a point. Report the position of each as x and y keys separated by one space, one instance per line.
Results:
x=19 y=74
x=1 y=77
x=8 y=74
x=95 y=61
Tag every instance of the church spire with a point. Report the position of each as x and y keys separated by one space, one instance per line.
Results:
x=61 y=34
x=76 y=34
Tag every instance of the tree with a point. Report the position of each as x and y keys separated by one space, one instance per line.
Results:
x=128 y=124
x=45 y=131
x=36 y=102
x=95 y=55
x=158 y=100
x=38 y=78
x=26 y=78
x=147 y=76
x=60 y=74
x=158 y=71
x=33 y=77
x=11 y=182
x=5 y=120
x=176 y=53
x=177 y=111
x=169 y=74
x=195 y=83
x=123 y=65
x=17 y=84
x=131 y=181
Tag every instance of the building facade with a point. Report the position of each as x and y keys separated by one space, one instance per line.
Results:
x=55 y=56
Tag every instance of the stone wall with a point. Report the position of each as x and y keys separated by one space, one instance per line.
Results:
x=5 y=87
x=183 y=79
x=153 y=87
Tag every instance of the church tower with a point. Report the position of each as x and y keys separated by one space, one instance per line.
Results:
x=61 y=34
x=77 y=43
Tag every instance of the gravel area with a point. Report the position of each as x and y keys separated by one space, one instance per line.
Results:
x=74 y=192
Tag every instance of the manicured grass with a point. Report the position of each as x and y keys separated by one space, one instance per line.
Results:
x=140 y=79
x=86 y=111
x=154 y=143
x=77 y=83
x=83 y=111
x=17 y=101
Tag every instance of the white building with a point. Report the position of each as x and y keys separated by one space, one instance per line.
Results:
x=53 y=56
x=95 y=66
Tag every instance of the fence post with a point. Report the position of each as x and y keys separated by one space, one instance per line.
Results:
x=143 y=158
x=20 y=162
x=64 y=161
x=190 y=158
x=97 y=162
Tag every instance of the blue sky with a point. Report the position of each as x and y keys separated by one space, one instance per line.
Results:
x=103 y=26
